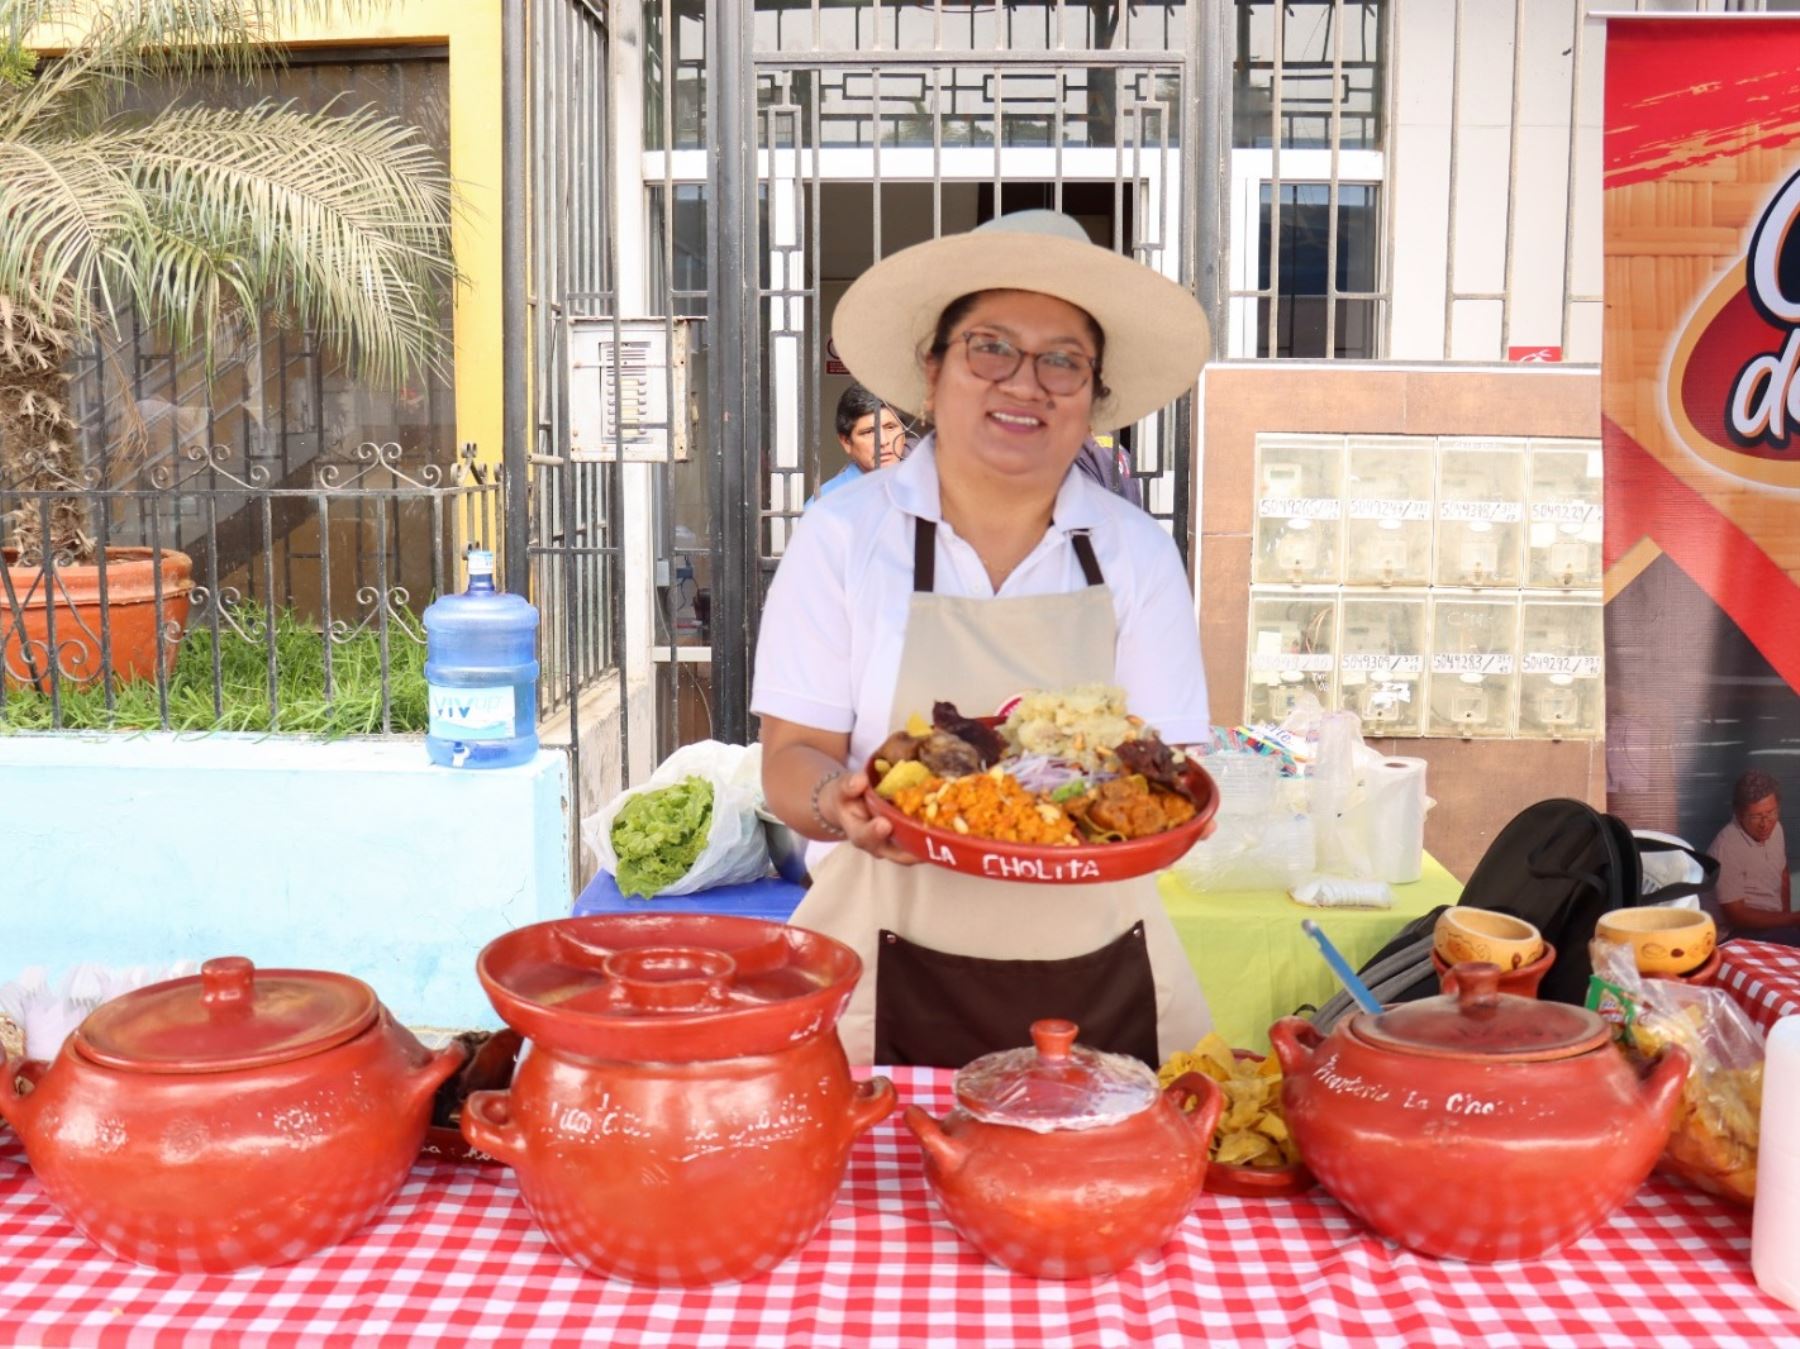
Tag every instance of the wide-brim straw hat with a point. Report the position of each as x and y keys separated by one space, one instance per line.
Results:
x=1156 y=331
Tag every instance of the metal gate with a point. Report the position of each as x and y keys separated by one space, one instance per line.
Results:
x=846 y=133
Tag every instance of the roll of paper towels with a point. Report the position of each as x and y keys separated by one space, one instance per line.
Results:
x=1391 y=819
x=1775 y=1230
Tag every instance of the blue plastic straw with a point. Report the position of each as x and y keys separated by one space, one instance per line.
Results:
x=1341 y=967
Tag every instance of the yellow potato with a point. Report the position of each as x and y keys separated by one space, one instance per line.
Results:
x=908 y=773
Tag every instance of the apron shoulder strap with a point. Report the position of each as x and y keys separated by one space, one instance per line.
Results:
x=925 y=555
x=1084 y=552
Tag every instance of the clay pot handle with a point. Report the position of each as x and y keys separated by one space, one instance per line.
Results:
x=15 y=1105
x=487 y=1124
x=227 y=983
x=1663 y=1083
x=1473 y=983
x=873 y=1102
x=435 y=1071
x=1295 y=1040
x=1211 y=1102
x=1054 y=1038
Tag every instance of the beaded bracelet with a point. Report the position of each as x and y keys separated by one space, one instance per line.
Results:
x=819 y=815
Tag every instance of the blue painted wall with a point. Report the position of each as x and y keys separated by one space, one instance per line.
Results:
x=356 y=856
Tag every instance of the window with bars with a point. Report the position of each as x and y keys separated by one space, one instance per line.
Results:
x=1298 y=243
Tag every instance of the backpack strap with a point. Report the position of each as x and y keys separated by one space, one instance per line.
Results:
x=1709 y=871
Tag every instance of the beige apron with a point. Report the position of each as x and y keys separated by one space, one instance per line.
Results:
x=978 y=653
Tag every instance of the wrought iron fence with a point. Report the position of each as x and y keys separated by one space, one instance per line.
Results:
x=219 y=599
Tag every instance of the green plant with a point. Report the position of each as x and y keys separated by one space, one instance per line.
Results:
x=301 y=704
x=200 y=219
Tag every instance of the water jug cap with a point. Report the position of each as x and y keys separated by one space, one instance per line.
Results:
x=481 y=562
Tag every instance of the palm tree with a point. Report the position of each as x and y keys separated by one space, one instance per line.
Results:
x=200 y=219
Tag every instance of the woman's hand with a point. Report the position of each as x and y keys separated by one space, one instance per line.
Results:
x=842 y=804
x=796 y=761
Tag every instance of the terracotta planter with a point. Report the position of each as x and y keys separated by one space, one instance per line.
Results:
x=237 y=1118
x=1480 y=1126
x=131 y=627
x=686 y=1112
x=1065 y=1163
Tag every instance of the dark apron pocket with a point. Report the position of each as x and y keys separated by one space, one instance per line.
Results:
x=938 y=1010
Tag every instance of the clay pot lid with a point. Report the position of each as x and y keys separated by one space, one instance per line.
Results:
x=1477 y=1021
x=668 y=987
x=1055 y=1084
x=231 y=1016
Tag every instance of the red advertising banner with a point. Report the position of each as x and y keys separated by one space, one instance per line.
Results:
x=1701 y=406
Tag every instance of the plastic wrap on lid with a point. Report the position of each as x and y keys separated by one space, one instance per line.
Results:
x=1055 y=1084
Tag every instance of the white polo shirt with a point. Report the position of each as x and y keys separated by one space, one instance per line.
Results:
x=828 y=655
x=1748 y=870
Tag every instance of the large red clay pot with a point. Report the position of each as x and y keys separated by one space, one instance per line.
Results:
x=240 y=1117
x=130 y=630
x=1065 y=1163
x=686 y=1112
x=1479 y=1126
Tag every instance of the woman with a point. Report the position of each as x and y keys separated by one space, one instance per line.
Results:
x=978 y=568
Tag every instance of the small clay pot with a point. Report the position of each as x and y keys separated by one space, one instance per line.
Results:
x=242 y=1117
x=1065 y=1163
x=1521 y=983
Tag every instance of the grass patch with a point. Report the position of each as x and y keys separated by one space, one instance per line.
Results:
x=301 y=707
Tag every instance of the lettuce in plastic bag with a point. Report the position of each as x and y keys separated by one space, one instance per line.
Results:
x=659 y=834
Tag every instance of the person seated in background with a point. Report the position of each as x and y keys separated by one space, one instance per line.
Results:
x=1753 y=883
x=871 y=434
x=1105 y=460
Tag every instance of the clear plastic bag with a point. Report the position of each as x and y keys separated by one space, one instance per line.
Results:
x=1713 y=1142
x=736 y=848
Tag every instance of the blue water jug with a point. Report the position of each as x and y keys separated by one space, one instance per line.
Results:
x=481 y=671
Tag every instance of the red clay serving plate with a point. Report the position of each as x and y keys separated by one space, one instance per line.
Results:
x=1042 y=863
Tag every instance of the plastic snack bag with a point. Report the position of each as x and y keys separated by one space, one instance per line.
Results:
x=1713 y=1141
x=735 y=847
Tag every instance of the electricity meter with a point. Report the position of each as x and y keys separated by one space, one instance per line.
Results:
x=1299 y=509
x=1480 y=512
x=1564 y=520
x=1562 y=685
x=1387 y=510
x=1293 y=636
x=1473 y=674
x=1382 y=649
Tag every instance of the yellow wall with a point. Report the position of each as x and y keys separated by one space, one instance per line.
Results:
x=471 y=30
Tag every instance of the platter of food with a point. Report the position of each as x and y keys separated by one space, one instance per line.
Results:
x=1067 y=788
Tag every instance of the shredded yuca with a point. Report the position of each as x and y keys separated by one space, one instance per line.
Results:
x=988 y=805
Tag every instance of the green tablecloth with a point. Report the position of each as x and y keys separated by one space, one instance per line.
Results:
x=1256 y=965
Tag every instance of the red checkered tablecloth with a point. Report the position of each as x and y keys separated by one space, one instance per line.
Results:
x=456 y=1259
x=1763 y=977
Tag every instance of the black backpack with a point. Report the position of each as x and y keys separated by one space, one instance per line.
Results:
x=1558 y=865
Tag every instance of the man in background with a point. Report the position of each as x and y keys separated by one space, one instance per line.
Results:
x=1753 y=883
x=871 y=434
x=1108 y=463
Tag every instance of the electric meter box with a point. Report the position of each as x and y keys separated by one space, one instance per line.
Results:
x=1473 y=673
x=1382 y=652
x=1299 y=510
x=1293 y=635
x=1480 y=512
x=1563 y=519
x=1388 y=489
x=1562 y=682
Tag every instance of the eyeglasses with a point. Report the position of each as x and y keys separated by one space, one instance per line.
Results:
x=995 y=359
